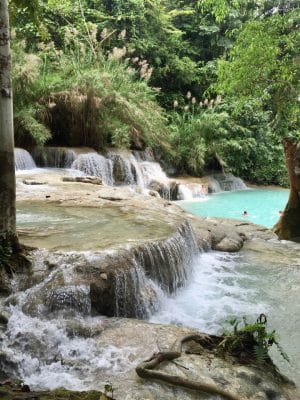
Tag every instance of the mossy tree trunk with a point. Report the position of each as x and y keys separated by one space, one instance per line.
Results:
x=7 y=164
x=288 y=227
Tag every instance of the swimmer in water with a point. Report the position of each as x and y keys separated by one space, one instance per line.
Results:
x=245 y=213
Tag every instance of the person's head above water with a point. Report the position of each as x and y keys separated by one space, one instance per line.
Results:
x=245 y=213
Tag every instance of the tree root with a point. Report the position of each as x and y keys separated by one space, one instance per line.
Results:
x=146 y=368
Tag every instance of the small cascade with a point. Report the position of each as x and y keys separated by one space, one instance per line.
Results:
x=169 y=262
x=213 y=184
x=123 y=170
x=145 y=155
x=152 y=171
x=229 y=182
x=55 y=157
x=53 y=337
x=70 y=298
x=23 y=160
x=95 y=165
x=191 y=191
x=184 y=193
x=224 y=182
x=135 y=295
x=51 y=353
x=126 y=168
x=155 y=178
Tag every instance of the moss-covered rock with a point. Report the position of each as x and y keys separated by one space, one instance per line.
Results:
x=13 y=391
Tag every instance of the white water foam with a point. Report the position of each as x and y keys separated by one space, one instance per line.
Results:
x=47 y=355
x=216 y=293
x=23 y=160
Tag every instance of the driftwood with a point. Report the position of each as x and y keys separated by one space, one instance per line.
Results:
x=146 y=369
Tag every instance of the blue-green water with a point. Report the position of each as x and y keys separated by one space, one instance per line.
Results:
x=263 y=206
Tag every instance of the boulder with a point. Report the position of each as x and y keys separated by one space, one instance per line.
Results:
x=95 y=180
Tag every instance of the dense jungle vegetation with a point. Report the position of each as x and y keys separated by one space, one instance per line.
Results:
x=208 y=85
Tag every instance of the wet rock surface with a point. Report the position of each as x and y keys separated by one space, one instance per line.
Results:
x=197 y=363
x=143 y=213
x=86 y=280
x=10 y=390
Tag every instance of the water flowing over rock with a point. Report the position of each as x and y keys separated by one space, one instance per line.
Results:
x=126 y=283
x=95 y=165
x=71 y=298
x=169 y=262
x=146 y=155
x=56 y=157
x=124 y=170
x=135 y=294
x=23 y=160
x=190 y=191
x=223 y=182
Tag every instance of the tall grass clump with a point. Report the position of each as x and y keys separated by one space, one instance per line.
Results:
x=80 y=96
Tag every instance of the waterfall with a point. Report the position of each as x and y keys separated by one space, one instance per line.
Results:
x=49 y=340
x=145 y=155
x=152 y=171
x=224 y=182
x=190 y=191
x=229 y=182
x=73 y=297
x=136 y=295
x=95 y=165
x=57 y=157
x=169 y=262
x=123 y=170
x=23 y=160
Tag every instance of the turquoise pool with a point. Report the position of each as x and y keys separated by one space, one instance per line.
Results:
x=262 y=205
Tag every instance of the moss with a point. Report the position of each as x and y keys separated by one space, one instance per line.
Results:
x=9 y=393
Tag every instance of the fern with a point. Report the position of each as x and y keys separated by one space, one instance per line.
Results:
x=251 y=339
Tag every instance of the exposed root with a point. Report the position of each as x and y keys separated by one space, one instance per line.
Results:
x=146 y=369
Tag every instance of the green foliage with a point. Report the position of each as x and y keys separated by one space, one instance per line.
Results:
x=83 y=96
x=268 y=71
x=251 y=340
x=84 y=69
x=225 y=135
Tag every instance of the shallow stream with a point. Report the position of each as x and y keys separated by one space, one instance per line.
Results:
x=260 y=279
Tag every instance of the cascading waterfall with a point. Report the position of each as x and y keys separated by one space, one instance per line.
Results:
x=228 y=182
x=124 y=167
x=224 y=182
x=57 y=157
x=23 y=160
x=169 y=262
x=136 y=169
x=146 y=155
x=49 y=340
x=74 y=298
x=123 y=170
x=96 y=165
x=152 y=171
x=191 y=191
x=136 y=295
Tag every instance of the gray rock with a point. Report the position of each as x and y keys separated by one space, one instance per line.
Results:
x=229 y=244
x=95 y=180
x=33 y=182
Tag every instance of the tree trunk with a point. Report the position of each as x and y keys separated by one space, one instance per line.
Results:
x=288 y=227
x=7 y=163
